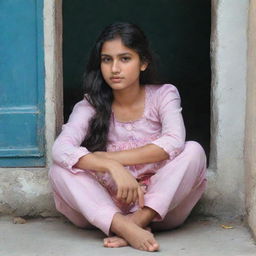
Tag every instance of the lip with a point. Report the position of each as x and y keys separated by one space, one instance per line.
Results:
x=116 y=79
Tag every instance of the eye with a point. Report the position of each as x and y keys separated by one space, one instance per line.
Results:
x=105 y=59
x=126 y=59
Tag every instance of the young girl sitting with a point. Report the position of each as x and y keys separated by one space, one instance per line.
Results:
x=121 y=162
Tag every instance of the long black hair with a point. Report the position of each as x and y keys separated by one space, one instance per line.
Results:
x=98 y=92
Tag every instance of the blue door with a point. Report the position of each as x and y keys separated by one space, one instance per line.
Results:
x=22 y=125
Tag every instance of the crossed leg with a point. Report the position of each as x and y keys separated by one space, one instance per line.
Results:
x=190 y=167
x=75 y=190
x=74 y=197
x=141 y=218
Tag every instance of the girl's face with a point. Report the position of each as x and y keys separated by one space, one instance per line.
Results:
x=120 y=65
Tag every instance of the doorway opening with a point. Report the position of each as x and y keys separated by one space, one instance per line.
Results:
x=179 y=32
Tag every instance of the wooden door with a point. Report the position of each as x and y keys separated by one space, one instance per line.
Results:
x=22 y=125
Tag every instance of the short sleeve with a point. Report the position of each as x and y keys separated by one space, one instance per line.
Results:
x=66 y=149
x=167 y=106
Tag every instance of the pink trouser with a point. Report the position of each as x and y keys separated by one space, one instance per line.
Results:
x=173 y=192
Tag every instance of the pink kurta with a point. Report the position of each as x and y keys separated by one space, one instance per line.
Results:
x=172 y=187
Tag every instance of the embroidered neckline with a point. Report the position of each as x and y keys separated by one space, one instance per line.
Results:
x=144 y=111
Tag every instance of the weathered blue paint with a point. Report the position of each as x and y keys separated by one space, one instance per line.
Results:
x=22 y=125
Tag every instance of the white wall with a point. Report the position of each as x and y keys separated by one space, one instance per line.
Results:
x=225 y=194
x=250 y=134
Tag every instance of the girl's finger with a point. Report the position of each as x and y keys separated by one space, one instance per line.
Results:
x=124 y=194
x=135 y=195
x=119 y=193
x=129 y=197
x=141 y=197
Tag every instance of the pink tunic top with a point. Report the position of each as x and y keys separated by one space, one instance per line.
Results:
x=161 y=124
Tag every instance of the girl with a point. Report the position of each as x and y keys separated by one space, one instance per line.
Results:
x=121 y=162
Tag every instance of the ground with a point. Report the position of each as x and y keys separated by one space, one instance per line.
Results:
x=199 y=236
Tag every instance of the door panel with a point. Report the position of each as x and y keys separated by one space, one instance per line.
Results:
x=21 y=83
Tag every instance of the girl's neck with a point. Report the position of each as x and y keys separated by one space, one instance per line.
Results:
x=129 y=96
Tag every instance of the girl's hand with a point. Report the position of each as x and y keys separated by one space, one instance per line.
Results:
x=128 y=189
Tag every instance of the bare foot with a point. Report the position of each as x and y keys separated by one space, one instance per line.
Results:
x=136 y=236
x=116 y=241
x=134 y=219
x=142 y=217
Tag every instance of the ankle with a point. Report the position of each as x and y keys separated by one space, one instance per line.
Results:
x=119 y=224
x=143 y=217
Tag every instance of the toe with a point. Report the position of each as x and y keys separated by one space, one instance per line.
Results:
x=148 y=246
x=115 y=245
x=143 y=247
x=105 y=241
x=114 y=242
x=153 y=245
x=110 y=239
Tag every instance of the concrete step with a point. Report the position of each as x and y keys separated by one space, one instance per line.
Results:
x=57 y=237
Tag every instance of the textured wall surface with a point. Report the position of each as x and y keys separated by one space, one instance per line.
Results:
x=25 y=192
x=225 y=194
x=250 y=135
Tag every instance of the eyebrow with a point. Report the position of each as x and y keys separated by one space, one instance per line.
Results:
x=120 y=54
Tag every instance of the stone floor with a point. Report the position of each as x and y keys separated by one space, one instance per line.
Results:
x=57 y=237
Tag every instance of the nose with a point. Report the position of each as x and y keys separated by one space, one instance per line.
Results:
x=115 y=67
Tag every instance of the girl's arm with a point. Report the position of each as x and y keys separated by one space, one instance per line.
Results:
x=165 y=106
x=128 y=189
x=142 y=155
x=68 y=153
x=66 y=149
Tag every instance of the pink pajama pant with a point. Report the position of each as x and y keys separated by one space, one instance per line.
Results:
x=173 y=192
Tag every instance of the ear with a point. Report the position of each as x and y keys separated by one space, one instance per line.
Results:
x=143 y=66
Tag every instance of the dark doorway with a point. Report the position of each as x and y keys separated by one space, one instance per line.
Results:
x=179 y=32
